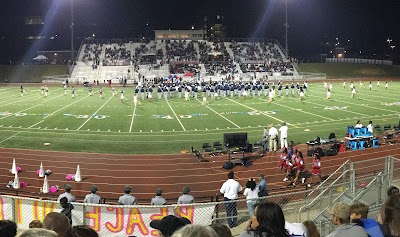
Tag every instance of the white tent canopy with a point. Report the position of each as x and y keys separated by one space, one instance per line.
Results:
x=40 y=57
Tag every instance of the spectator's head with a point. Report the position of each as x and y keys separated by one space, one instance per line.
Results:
x=127 y=189
x=8 y=228
x=57 y=222
x=186 y=190
x=64 y=202
x=93 y=189
x=37 y=232
x=196 y=231
x=269 y=219
x=340 y=213
x=261 y=176
x=168 y=225
x=312 y=229
x=370 y=122
x=221 y=230
x=36 y=224
x=358 y=211
x=82 y=231
x=67 y=188
x=251 y=184
x=159 y=192
x=392 y=191
x=231 y=175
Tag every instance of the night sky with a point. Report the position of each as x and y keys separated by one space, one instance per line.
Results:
x=312 y=23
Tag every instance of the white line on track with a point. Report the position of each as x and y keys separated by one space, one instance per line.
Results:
x=90 y=117
x=220 y=115
x=133 y=117
x=10 y=137
x=57 y=111
x=184 y=129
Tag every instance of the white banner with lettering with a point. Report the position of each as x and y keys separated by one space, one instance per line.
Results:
x=107 y=220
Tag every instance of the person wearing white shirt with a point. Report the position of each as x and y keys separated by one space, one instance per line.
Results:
x=370 y=128
x=230 y=189
x=284 y=130
x=251 y=193
x=358 y=125
x=273 y=136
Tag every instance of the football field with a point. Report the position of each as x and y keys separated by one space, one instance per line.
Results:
x=107 y=125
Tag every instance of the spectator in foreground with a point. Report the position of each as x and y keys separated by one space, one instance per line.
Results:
x=57 y=222
x=35 y=224
x=389 y=217
x=262 y=186
x=230 y=189
x=82 y=231
x=341 y=218
x=312 y=229
x=66 y=209
x=251 y=193
x=268 y=221
x=221 y=230
x=37 y=232
x=8 y=228
x=168 y=225
x=127 y=198
x=186 y=198
x=196 y=231
x=359 y=213
x=158 y=200
x=92 y=197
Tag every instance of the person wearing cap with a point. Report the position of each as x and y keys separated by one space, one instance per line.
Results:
x=283 y=136
x=158 y=200
x=127 y=198
x=92 y=197
x=341 y=218
x=273 y=137
x=67 y=194
x=186 y=198
x=168 y=225
x=230 y=189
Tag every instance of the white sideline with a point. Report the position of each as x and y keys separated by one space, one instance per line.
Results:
x=10 y=137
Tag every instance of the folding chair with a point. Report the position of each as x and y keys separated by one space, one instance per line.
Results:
x=207 y=148
x=387 y=127
x=378 y=128
x=332 y=137
x=388 y=138
x=218 y=147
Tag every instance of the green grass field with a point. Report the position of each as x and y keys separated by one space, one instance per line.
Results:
x=91 y=124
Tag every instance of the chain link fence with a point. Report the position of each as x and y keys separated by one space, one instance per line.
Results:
x=364 y=181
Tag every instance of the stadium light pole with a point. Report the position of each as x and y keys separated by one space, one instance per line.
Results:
x=286 y=30
x=72 y=30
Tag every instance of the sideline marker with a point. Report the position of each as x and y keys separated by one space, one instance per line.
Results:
x=45 y=188
x=14 y=168
x=78 y=177
x=41 y=171
x=16 y=184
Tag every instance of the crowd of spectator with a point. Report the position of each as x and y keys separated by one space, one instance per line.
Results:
x=116 y=54
x=182 y=68
x=92 y=53
x=180 y=50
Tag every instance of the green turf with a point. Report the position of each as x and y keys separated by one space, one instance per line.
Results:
x=91 y=124
x=349 y=70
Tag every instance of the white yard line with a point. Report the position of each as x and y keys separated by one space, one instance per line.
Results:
x=220 y=115
x=31 y=107
x=184 y=129
x=133 y=117
x=90 y=117
x=56 y=112
x=260 y=112
x=10 y=137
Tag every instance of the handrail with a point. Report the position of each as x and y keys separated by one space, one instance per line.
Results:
x=326 y=180
x=324 y=191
